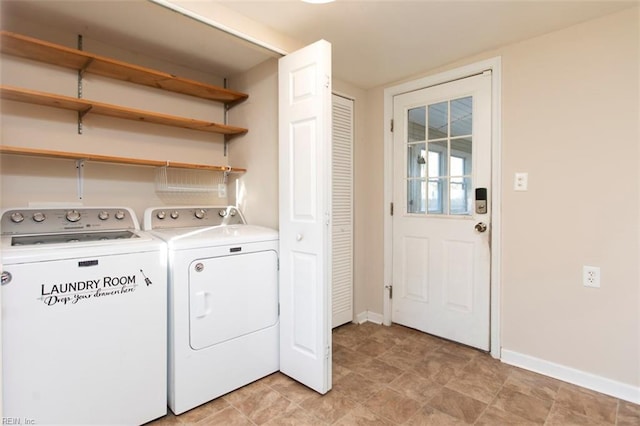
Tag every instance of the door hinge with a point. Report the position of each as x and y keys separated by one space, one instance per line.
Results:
x=390 y=288
x=391 y=208
x=392 y=125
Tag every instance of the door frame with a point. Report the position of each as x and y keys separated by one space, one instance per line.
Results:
x=495 y=65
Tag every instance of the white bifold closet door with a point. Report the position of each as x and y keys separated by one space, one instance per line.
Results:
x=342 y=226
x=304 y=85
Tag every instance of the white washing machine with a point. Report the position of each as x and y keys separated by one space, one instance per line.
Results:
x=223 y=301
x=83 y=317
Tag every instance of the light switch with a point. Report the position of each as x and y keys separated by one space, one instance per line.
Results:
x=521 y=181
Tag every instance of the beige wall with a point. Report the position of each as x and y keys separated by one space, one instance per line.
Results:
x=371 y=186
x=256 y=191
x=570 y=119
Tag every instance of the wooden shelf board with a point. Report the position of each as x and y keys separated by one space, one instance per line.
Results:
x=30 y=48
x=84 y=105
x=4 y=149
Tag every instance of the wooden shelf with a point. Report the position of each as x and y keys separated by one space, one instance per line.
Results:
x=30 y=48
x=111 y=159
x=84 y=106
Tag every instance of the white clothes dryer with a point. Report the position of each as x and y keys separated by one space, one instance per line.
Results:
x=84 y=314
x=223 y=301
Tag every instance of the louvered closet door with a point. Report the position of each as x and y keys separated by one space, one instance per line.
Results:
x=342 y=231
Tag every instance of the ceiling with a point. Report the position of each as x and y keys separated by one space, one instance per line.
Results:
x=374 y=42
x=377 y=42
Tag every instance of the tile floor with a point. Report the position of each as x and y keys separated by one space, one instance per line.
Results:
x=396 y=375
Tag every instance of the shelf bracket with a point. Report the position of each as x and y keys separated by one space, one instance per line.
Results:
x=227 y=138
x=80 y=175
x=225 y=121
x=81 y=115
x=80 y=74
x=225 y=175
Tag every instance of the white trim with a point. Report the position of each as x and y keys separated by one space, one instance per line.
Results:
x=344 y=95
x=368 y=316
x=571 y=375
x=495 y=65
x=215 y=24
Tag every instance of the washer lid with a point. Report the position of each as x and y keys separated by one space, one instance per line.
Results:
x=187 y=238
x=56 y=250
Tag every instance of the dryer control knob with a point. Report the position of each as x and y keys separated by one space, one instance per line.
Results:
x=73 y=215
x=200 y=213
x=161 y=214
x=17 y=217
x=119 y=215
x=39 y=217
x=174 y=214
x=222 y=213
x=103 y=215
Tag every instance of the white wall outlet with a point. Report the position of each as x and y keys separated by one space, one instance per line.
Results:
x=521 y=181
x=222 y=190
x=591 y=276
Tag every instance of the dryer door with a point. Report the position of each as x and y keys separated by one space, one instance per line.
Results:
x=231 y=296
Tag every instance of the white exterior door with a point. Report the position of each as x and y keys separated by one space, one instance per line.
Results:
x=441 y=253
x=305 y=215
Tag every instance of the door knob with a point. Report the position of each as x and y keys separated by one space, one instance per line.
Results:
x=481 y=227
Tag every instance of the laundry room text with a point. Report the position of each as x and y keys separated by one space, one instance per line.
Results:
x=76 y=291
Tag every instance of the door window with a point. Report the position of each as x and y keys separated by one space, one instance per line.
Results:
x=439 y=158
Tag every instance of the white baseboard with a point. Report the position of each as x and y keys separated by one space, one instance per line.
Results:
x=571 y=375
x=369 y=316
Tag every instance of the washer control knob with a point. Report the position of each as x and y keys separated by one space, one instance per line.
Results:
x=200 y=213
x=161 y=214
x=73 y=215
x=38 y=217
x=120 y=215
x=174 y=214
x=222 y=213
x=17 y=217
x=103 y=215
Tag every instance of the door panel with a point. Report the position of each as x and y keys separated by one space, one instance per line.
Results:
x=457 y=281
x=416 y=265
x=305 y=331
x=305 y=207
x=441 y=264
x=302 y=182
